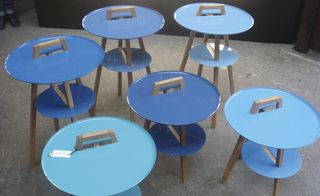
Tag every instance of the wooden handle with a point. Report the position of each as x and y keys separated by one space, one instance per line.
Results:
x=256 y=105
x=47 y=44
x=121 y=9
x=211 y=7
x=95 y=139
x=170 y=83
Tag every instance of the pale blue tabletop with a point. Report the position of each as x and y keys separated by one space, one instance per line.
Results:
x=196 y=102
x=294 y=125
x=146 y=22
x=233 y=22
x=82 y=56
x=104 y=170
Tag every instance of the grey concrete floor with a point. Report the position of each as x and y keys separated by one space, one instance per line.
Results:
x=275 y=65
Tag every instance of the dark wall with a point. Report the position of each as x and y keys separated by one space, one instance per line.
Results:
x=275 y=21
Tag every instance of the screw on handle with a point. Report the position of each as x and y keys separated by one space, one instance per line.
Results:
x=211 y=7
x=95 y=139
x=262 y=104
x=121 y=9
x=55 y=42
x=165 y=85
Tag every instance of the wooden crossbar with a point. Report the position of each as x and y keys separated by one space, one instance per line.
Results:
x=167 y=83
x=130 y=9
x=256 y=105
x=38 y=47
x=210 y=7
x=174 y=132
x=98 y=138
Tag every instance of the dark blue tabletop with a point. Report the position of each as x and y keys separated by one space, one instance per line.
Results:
x=146 y=22
x=234 y=21
x=82 y=56
x=294 y=125
x=196 y=102
x=103 y=170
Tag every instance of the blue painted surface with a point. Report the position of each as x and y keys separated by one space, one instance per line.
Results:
x=233 y=22
x=82 y=57
x=146 y=22
x=200 y=54
x=167 y=143
x=49 y=104
x=105 y=170
x=114 y=61
x=257 y=160
x=295 y=125
x=196 y=102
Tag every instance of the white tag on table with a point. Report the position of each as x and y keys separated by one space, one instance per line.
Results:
x=60 y=153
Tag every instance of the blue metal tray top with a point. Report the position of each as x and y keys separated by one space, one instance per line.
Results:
x=104 y=170
x=233 y=22
x=296 y=124
x=201 y=55
x=114 y=60
x=256 y=159
x=49 y=104
x=146 y=22
x=197 y=101
x=167 y=143
x=82 y=56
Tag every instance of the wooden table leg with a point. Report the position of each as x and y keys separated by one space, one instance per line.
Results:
x=183 y=159
x=215 y=82
x=147 y=124
x=130 y=78
x=232 y=160
x=230 y=74
x=119 y=83
x=205 y=41
x=33 y=124
x=132 y=115
x=276 y=187
x=186 y=52
x=96 y=87
x=56 y=124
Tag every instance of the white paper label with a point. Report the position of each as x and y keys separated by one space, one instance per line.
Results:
x=60 y=153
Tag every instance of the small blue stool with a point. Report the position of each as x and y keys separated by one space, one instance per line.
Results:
x=218 y=20
x=272 y=125
x=107 y=156
x=53 y=60
x=175 y=101
x=123 y=23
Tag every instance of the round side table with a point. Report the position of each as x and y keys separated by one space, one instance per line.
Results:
x=115 y=168
x=175 y=101
x=53 y=60
x=272 y=124
x=123 y=23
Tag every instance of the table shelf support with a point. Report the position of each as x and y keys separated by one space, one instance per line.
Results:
x=33 y=120
x=186 y=52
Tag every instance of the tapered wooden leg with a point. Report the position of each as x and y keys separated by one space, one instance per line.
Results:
x=96 y=87
x=79 y=81
x=148 y=69
x=200 y=69
x=184 y=168
x=56 y=124
x=186 y=51
x=91 y=113
x=33 y=120
x=147 y=124
x=215 y=82
x=132 y=115
x=119 y=83
x=276 y=187
x=128 y=52
x=230 y=74
x=141 y=44
x=205 y=41
x=72 y=119
x=130 y=78
x=232 y=160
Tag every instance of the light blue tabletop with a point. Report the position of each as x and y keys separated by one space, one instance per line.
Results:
x=146 y=22
x=294 y=125
x=196 y=102
x=82 y=56
x=233 y=22
x=104 y=170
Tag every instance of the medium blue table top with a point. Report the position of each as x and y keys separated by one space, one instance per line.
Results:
x=146 y=22
x=197 y=101
x=81 y=57
x=234 y=21
x=104 y=170
x=294 y=125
